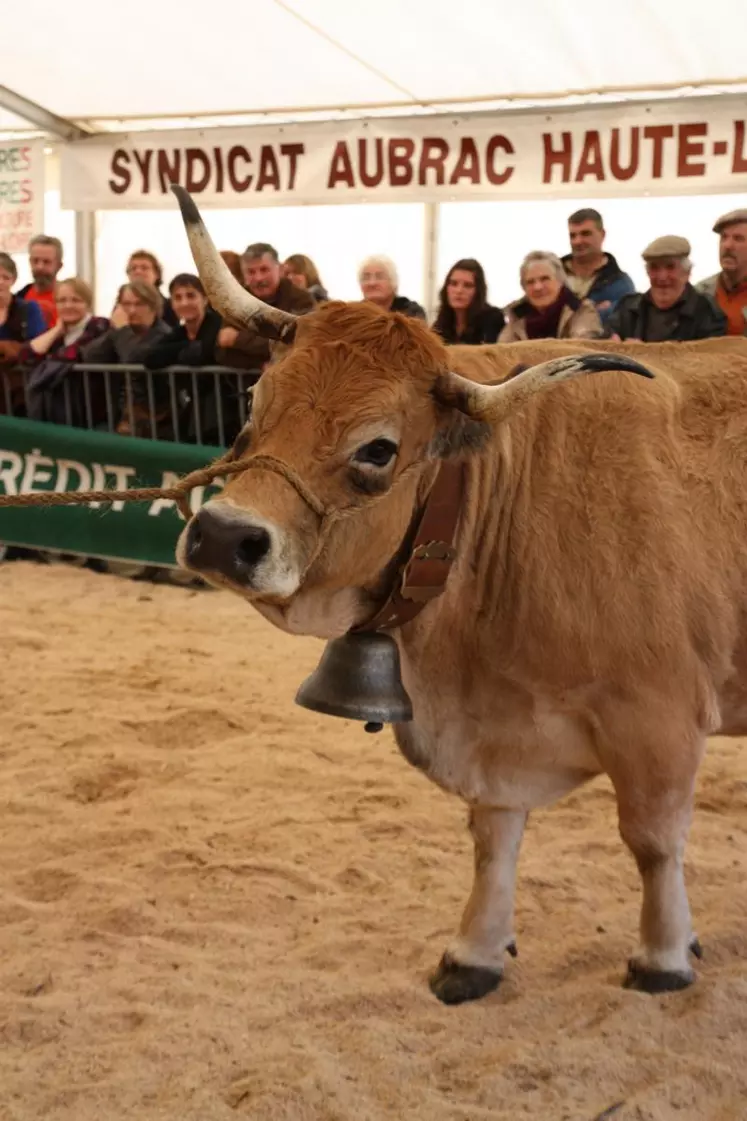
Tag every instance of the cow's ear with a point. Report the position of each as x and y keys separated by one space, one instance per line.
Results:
x=459 y=435
x=282 y=346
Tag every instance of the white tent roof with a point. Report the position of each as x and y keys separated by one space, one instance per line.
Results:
x=110 y=67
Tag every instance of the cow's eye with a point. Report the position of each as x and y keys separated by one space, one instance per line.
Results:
x=378 y=453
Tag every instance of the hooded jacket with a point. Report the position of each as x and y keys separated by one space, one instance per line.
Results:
x=609 y=284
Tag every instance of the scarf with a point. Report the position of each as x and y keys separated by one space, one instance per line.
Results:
x=73 y=333
x=544 y=324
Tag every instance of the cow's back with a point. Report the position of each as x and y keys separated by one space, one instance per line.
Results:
x=628 y=511
x=496 y=361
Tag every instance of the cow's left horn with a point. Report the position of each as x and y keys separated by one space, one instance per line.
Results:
x=493 y=403
x=225 y=293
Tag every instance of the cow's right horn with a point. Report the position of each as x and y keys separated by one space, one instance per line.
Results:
x=493 y=403
x=234 y=303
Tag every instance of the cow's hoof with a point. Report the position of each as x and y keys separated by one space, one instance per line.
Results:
x=696 y=949
x=453 y=983
x=654 y=981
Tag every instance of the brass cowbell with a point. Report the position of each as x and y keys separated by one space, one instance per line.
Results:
x=358 y=678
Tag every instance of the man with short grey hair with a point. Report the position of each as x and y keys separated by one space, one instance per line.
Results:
x=729 y=287
x=671 y=310
x=263 y=276
x=45 y=262
x=261 y=269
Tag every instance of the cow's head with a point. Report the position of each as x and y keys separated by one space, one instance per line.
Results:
x=346 y=433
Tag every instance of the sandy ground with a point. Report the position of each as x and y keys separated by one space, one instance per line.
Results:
x=214 y=904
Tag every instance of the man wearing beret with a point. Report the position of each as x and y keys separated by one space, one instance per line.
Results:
x=729 y=287
x=671 y=310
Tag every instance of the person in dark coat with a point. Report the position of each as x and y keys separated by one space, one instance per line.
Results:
x=464 y=314
x=143 y=305
x=263 y=277
x=379 y=282
x=193 y=343
x=20 y=321
x=672 y=310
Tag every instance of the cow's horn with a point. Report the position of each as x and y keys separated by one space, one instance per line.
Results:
x=225 y=293
x=493 y=403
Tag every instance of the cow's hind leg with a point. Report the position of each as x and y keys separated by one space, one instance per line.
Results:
x=655 y=799
x=473 y=965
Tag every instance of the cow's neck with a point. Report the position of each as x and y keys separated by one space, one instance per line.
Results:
x=420 y=570
x=477 y=589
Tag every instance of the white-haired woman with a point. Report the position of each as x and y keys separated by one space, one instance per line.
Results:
x=379 y=281
x=548 y=309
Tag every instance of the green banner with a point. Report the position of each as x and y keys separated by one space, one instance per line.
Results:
x=38 y=457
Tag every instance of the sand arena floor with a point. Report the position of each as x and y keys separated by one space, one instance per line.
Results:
x=215 y=905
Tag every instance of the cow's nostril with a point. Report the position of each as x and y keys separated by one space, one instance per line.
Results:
x=254 y=545
x=194 y=538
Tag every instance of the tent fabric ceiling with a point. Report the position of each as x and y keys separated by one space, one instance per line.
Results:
x=147 y=60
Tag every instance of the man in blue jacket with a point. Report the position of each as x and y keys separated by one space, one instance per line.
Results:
x=591 y=273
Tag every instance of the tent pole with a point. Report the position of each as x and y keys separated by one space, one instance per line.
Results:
x=430 y=257
x=39 y=116
x=85 y=247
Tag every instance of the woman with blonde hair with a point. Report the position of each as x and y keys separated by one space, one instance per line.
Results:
x=55 y=392
x=76 y=324
x=548 y=309
x=302 y=272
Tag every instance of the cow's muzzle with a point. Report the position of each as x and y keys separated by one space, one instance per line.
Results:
x=224 y=541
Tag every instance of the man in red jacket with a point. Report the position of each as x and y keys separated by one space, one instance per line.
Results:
x=45 y=261
x=729 y=287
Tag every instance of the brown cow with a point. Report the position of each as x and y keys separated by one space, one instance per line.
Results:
x=595 y=617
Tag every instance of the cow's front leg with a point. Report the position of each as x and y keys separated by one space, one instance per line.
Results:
x=473 y=964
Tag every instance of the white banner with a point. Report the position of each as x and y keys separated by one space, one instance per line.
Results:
x=689 y=146
x=21 y=193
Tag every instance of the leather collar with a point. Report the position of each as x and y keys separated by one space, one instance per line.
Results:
x=422 y=574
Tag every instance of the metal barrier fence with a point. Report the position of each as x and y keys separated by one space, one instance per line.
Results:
x=185 y=404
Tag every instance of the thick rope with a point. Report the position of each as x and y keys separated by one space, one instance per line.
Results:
x=178 y=493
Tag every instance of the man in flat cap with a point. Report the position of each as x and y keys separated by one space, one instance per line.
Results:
x=729 y=287
x=671 y=310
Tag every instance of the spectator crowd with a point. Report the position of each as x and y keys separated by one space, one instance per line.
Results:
x=48 y=328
